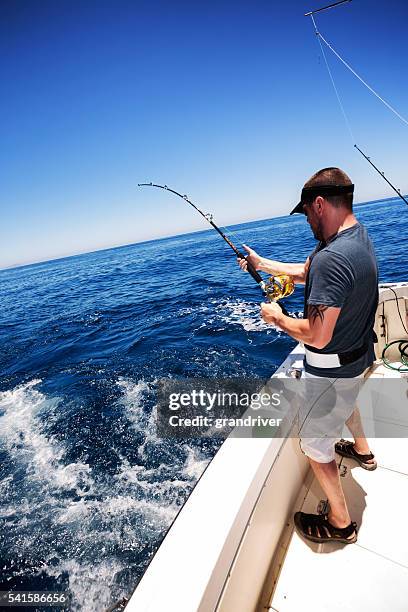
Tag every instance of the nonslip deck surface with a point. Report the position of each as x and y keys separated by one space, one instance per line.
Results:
x=370 y=575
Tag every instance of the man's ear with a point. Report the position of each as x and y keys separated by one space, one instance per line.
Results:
x=319 y=204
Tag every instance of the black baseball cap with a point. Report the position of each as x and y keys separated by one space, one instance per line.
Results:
x=310 y=193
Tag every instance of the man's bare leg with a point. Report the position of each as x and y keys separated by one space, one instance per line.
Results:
x=355 y=427
x=329 y=479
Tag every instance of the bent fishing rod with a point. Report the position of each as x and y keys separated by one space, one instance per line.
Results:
x=275 y=289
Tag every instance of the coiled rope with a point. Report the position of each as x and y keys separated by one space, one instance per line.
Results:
x=403 y=349
x=403 y=345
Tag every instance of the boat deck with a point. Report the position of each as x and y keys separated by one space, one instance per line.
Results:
x=370 y=575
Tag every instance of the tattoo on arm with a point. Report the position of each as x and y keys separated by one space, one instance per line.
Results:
x=317 y=311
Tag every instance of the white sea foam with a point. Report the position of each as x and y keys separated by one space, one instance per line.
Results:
x=235 y=312
x=154 y=512
x=116 y=506
x=133 y=393
x=21 y=433
x=138 y=474
x=195 y=463
x=75 y=511
x=157 y=483
x=244 y=314
x=89 y=583
x=133 y=399
x=166 y=490
x=130 y=508
x=5 y=485
x=241 y=313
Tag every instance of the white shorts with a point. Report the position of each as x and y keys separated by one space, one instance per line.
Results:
x=326 y=406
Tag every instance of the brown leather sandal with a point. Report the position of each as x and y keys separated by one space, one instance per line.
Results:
x=317 y=528
x=345 y=448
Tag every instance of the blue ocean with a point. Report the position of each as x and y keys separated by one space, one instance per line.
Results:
x=87 y=489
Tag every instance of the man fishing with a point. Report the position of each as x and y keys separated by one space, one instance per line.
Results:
x=341 y=296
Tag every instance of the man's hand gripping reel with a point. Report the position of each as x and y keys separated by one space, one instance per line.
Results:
x=276 y=288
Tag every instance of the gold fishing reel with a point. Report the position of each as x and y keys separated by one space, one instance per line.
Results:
x=278 y=287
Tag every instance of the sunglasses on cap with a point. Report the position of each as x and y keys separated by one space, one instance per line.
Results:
x=310 y=193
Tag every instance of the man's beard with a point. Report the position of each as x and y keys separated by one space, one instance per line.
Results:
x=318 y=232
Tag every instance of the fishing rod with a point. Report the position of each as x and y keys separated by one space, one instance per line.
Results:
x=276 y=288
x=209 y=217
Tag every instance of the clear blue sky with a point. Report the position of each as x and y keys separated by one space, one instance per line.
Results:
x=228 y=102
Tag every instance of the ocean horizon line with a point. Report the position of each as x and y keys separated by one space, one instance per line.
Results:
x=160 y=238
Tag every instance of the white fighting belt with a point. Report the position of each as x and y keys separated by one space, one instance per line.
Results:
x=320 y=360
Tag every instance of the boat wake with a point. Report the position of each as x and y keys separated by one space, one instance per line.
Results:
x=68 y=525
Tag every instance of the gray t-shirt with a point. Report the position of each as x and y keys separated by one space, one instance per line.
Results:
x=343 y=273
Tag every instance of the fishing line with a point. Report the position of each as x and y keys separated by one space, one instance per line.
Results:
x=377 y=95
x=232 y=233
x=321 y=38
x=334 y=84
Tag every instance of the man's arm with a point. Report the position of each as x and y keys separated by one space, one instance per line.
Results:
x=296 y=270
x=316 y=330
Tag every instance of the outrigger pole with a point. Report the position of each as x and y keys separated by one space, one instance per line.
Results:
x=397 y=191
x=320 y=39
x=324 y=8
